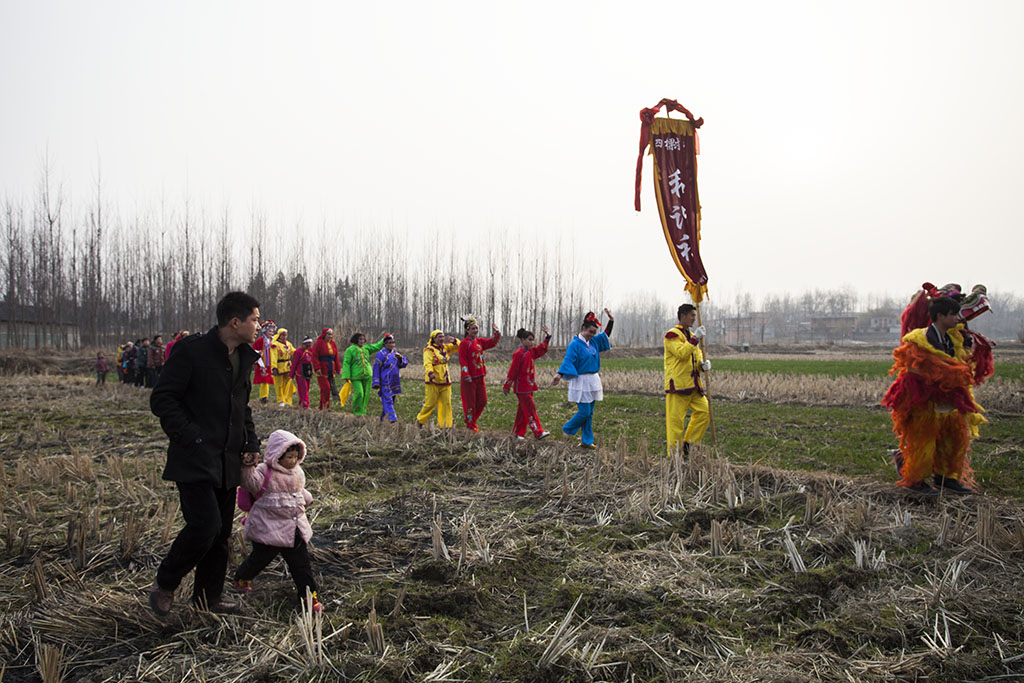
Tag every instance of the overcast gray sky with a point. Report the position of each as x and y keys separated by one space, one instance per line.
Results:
x=839 y=138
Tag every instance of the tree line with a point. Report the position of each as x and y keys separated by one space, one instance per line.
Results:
x=120 y=277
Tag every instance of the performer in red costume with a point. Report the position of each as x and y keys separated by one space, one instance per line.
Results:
x=327 y=364
x=522 y=380
x=471 y=363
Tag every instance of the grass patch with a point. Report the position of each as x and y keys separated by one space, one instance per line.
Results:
x=787 y=366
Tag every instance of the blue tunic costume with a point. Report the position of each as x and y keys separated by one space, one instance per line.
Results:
x=386 y=380
x=581 y=365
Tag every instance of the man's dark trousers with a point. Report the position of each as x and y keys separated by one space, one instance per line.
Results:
x=202 y=543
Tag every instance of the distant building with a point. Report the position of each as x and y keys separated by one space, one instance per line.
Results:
x=833 y=327
x=20 y=328
x=879 y=323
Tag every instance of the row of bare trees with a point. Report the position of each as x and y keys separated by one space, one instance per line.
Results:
x=117 y=277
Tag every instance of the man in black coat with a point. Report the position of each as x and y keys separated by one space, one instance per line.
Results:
x=202 y=400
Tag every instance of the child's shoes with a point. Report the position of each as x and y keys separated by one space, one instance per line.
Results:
x=316 y=605
x=243 y=585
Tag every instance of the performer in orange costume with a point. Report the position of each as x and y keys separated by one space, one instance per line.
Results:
x=933 y=409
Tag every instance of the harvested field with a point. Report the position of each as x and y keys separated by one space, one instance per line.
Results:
x=447 y=557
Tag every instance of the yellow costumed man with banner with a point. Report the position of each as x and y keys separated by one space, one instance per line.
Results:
x=674 y=147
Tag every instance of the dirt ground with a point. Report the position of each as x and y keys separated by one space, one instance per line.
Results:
x=447 y=557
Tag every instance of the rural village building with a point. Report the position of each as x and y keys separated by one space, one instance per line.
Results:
x=20 y=328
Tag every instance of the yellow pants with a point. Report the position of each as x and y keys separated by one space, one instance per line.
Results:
x=441 y=398
x=934 y=443
x=284 y=388
x=264 y=390
x=676 y=406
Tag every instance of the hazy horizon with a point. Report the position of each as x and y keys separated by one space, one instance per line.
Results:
x=841 y=142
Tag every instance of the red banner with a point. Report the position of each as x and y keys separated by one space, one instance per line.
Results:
x=673 y=144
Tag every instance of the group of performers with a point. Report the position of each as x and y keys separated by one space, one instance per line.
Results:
x=931 y=401
x=376 y=366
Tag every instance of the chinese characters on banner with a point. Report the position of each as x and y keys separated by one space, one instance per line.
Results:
x=672 y=144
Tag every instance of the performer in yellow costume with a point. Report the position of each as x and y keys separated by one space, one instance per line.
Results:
x=683 y=390
x=933 y=408
x=438 y=381
x=281 y=352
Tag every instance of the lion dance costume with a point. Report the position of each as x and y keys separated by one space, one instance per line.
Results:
x=931 y=401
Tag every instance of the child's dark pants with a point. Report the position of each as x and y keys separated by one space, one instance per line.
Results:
x=297 y=559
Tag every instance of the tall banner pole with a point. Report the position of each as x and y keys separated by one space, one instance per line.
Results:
x=707 y=384
x=673 y=146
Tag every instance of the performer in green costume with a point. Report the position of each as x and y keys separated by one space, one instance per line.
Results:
x=357 y=368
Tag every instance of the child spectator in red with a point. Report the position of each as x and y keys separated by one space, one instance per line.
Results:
x=101 y=369
x=522 y=381
x=277 y=523
x=302 y=370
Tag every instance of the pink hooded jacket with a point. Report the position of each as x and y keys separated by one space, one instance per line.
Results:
x=282 y=508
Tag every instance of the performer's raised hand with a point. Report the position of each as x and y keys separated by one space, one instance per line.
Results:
x=545 y=330
x=494 y=328
x=700 y=332
x=609 y=314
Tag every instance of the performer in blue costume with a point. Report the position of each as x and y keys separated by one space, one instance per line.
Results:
x=386 y=378
x=580 y=367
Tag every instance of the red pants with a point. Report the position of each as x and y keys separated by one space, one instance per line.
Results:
x=325 y=391
x=526 y=416
x=303 y=385
x=474 y=399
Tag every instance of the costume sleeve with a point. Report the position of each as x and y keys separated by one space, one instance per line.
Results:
x=166 y=399
x=346 y=364
x=316 y=356
x=375 y=346
x=542 y=348
x=568 y=366
x=464 y=356
x=513 y=369
x=601 y=341
x=428 y=362
x=679 y=347
x=490 y=342
x=275 y=356
x=376 y=372
x=453 y=347
x=401 y=361
x=608 y=328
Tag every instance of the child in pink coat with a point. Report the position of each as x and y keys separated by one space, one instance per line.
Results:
x=277 y=523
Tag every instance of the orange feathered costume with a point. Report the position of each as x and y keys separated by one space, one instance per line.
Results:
x=933 y=409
